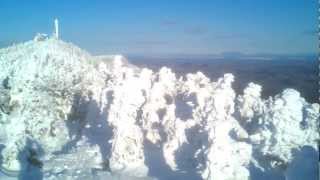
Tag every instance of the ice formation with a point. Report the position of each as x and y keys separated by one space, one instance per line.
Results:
x=74 y=115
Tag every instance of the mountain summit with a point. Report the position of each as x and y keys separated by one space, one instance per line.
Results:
x=67 y=114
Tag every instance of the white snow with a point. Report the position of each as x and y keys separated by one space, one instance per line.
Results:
x=74 y=115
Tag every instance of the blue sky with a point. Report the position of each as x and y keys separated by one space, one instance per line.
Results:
x=161 y=27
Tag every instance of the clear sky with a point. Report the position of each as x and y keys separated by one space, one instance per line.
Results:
x=167 y=26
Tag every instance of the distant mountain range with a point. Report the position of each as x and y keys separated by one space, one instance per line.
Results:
x=224 y=56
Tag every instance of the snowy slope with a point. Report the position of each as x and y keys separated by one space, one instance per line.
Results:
x=67 y=114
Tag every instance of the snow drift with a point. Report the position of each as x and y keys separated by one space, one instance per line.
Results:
x=67 y=114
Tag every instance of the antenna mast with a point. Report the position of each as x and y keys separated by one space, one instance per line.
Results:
x=56 y=28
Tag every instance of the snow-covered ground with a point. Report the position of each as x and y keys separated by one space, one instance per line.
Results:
x=65 y=114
